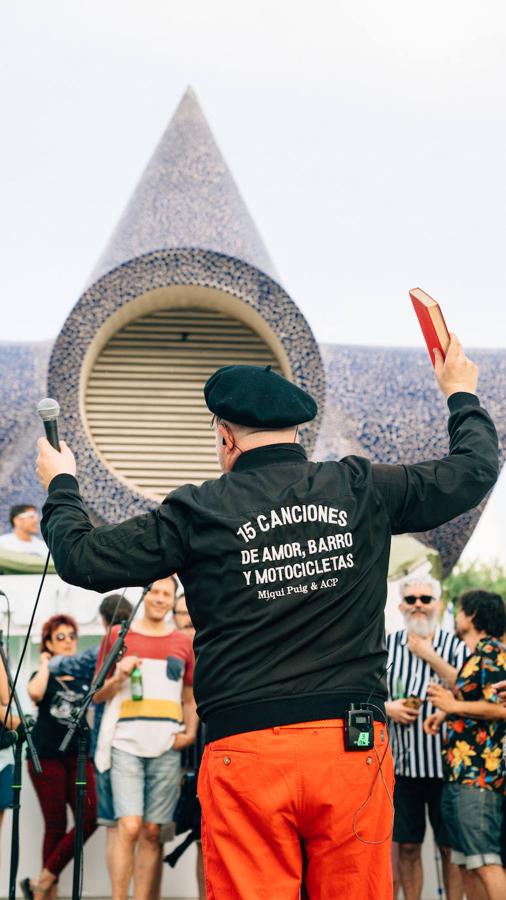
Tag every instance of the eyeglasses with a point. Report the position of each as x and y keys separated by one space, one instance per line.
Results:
x=26 y=515
x=61 y=636
x=412 y=598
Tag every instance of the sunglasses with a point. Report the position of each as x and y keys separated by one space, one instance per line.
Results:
x=412 y=598
x=61 y=636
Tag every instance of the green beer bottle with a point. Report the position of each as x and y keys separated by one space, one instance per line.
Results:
x=136 y=683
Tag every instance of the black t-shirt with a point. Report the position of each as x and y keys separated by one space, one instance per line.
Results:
x=55 y=714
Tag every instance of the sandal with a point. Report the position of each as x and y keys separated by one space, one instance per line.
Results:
x=26 y=889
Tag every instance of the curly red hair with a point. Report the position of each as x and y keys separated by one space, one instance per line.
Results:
x=51 y=625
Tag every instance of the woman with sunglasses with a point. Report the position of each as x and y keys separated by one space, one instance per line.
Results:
x=56 y=697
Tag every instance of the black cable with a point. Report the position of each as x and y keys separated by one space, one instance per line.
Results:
x=378 y=773
x=383 y=672
x=27 y=638
x=112 y=622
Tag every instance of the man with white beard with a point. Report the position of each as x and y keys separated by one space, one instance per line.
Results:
x=418 y=654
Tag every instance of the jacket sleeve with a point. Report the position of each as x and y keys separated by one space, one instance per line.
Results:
x=131 y=554
x=82 y=665
x=424 y=495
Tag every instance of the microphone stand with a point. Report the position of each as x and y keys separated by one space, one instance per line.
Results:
x=80 y=725
x=23 y=734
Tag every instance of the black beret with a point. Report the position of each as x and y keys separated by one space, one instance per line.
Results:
x=258 y=397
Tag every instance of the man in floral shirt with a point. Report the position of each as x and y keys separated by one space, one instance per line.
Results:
x=474 y=765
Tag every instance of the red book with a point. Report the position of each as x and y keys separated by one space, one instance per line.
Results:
x=431 y=321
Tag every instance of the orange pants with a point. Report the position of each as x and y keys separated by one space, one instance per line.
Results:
x=286 y=814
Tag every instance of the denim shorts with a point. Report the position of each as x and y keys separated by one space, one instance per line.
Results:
x=6 y=786
x=105 y=805
x=473 y=818
x=145 y=786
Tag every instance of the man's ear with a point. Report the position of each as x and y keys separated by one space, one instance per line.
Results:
x=227 y=438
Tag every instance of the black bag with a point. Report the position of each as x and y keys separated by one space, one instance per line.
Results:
x=187 y=816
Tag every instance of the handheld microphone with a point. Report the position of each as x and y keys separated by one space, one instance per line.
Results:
x=49 y=410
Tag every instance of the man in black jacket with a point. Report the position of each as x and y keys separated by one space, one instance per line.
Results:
x=284 y=565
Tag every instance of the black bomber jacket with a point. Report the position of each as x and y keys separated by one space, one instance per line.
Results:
x=284 y=565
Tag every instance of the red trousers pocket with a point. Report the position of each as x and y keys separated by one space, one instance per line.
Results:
x=287 y=812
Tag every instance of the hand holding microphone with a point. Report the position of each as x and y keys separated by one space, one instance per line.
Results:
x=54 y=458
x=49 y=411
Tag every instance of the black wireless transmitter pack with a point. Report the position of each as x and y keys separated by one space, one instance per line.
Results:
x=359 y=727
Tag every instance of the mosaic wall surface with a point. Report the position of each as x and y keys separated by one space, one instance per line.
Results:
x=23 y=382
x=186 y=224
x=186 y=198
x=381 y=403
x=384 y=404
x=112 y=498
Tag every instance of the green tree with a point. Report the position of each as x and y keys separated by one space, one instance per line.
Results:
x=490 y=577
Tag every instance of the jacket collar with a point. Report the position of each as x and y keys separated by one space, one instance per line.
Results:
x=270 y=455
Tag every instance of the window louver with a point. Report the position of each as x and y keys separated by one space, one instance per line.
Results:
x=144 y=403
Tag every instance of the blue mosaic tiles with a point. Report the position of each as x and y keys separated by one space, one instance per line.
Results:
x=112 y=498
x=186 y=198
x=383 y=403
x=187 y=225
x=23 y=380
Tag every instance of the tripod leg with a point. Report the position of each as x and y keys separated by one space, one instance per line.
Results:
x=80 y=795
x=16 y=805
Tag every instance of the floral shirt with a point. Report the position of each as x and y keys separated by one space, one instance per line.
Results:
x=473 y=748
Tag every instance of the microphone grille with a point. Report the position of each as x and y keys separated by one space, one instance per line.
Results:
x=48 y=409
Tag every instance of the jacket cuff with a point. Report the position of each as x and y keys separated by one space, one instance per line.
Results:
x=460 y=399
x=54 y=662
x=63 y=482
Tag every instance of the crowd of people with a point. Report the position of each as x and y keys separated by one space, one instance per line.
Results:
x=447 y=727
x=138 y=739
x=296 y=781
x=447 y=717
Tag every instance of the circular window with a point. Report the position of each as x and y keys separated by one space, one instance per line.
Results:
x=132 y=358
x=144 y=406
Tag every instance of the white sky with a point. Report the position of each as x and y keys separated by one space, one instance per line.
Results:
x=367 y=138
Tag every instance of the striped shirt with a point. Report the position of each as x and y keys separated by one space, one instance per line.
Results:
x=416 y=754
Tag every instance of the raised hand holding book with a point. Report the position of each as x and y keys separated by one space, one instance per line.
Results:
x=431 y=321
